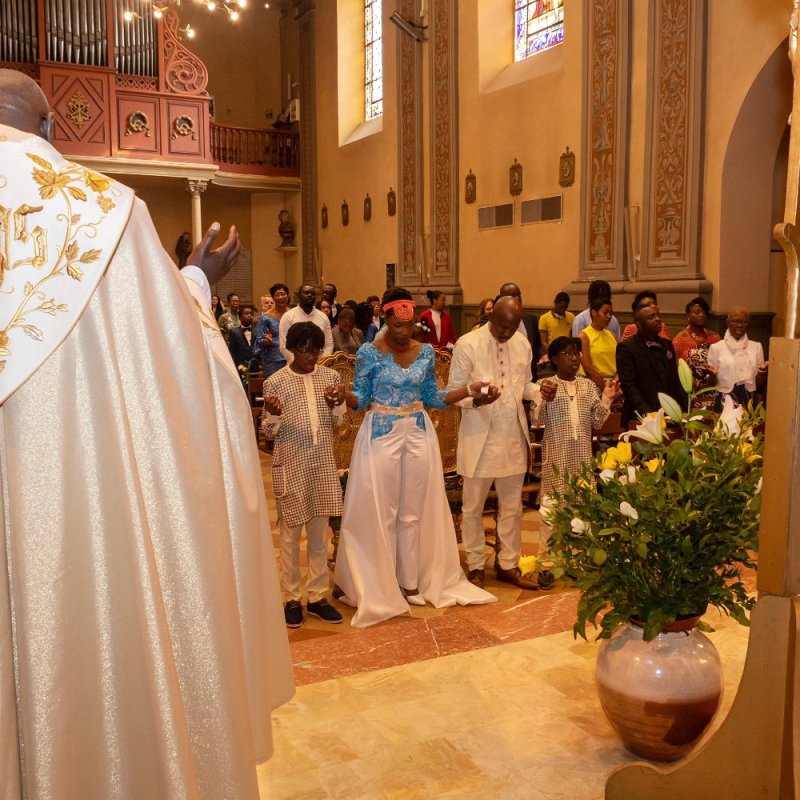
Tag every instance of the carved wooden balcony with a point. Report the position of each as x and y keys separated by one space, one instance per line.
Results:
x=273 y=151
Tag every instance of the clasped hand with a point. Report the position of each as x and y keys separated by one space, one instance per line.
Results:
x=334 y=395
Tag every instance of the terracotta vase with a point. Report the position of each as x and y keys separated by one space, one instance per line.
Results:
x=659 y=696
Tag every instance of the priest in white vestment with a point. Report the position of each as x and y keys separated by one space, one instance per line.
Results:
x=142 y=645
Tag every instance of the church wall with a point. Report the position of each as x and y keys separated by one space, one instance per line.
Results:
x=354 y=257
x=530 y=112
x=531 y=120
x=243 y=60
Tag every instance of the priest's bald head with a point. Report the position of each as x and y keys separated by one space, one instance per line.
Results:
x=23 y=105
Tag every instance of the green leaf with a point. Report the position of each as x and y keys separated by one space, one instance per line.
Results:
x=598 y=555
x=641 y=549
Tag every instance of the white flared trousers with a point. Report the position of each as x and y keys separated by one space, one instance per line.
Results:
x=317 y=550
x=509 y=519
x=402 y=468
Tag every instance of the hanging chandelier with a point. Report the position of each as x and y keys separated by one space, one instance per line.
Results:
x=232 y=8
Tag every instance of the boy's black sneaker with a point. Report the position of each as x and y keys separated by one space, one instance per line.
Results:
x=293 y=614
x=325 y=611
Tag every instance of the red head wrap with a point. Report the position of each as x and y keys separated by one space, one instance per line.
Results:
x=403 y=309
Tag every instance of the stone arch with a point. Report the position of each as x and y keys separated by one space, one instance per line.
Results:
x=748 y=186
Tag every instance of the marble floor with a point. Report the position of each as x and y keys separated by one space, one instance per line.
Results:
x=491 y=701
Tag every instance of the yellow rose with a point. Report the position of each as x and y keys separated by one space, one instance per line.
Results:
x=609 y=460
x=623 y=452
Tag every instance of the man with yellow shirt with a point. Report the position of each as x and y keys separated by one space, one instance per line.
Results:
x=557 y=322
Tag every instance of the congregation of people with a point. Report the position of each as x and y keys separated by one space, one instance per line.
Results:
x=563 y=375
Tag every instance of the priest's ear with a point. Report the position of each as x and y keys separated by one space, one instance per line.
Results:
x=46 y=122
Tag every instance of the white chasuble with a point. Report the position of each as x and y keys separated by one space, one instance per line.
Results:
x=142 y=641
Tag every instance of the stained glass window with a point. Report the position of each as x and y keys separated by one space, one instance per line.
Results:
x=373 y=59
x=538 y=25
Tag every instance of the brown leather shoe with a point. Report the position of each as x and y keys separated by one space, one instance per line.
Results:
x=516 y=577
x=476 y=576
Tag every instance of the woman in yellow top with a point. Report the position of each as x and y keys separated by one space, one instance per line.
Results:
x=599 y=354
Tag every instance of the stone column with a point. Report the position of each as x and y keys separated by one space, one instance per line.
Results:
x=410 y=268
x=195 y=187
x=305 y=14
x=605 y=123
x=443 y=269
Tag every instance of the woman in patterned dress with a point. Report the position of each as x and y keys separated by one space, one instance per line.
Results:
x=397 y=544
x=692 y=345
x=569 y=407
x=266 y=347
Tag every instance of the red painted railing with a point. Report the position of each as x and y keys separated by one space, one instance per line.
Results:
x=269 y=151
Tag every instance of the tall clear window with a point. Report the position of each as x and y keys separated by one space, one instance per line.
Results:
x=538 y=25
x=373 y=59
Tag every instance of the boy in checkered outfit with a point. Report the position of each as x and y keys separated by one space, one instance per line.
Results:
x=304 y=402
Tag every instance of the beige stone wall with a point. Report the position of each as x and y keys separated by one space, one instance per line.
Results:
x=528 y=111
x=349 y=167
x=243 y=59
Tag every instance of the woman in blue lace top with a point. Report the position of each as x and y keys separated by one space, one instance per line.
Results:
x=390 y=555
x=266 y=337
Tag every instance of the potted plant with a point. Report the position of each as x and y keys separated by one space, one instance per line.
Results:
x=654 y=531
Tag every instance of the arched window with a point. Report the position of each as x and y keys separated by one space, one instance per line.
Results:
x=373 y=59
x=538 y=25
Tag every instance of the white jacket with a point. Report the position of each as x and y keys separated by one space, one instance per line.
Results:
x=473 y=360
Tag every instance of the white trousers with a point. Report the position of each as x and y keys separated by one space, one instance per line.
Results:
x=509 y=520
x=317 y=549
x=402 y=468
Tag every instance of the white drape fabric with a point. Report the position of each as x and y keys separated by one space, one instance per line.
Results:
x=366 y=562
x=142 y=645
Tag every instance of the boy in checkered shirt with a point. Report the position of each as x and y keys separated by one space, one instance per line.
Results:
x=304 y=402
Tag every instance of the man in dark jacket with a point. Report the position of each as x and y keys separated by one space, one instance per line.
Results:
x=240 y=340
x=528 y=326
x=647 y=365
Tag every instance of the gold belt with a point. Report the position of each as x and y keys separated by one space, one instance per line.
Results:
x=398 y=411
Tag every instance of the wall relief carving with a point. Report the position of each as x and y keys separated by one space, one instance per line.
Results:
x=605 y=114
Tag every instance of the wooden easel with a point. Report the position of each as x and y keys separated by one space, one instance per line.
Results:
x=756 y=751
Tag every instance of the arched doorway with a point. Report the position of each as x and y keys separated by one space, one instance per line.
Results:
x=749 y=188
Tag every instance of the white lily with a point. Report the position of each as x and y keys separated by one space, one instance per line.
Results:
x=578 y=525
x=758 y=485
x=628 y=510
x=631 y=474
x=606 y=475
x=650 y=429
x=731 y=416
x=546 y=506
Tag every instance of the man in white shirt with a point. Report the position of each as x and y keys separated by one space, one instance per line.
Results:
x=493 y=439
x=304 y=311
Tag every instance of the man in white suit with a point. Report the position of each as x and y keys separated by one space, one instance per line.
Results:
x=493 y=440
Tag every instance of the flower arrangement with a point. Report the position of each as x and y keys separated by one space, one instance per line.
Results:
x=661 y=526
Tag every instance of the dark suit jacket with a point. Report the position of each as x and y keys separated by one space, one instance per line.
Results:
x=531 y=324
x=241 y=352
x=644 y=371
